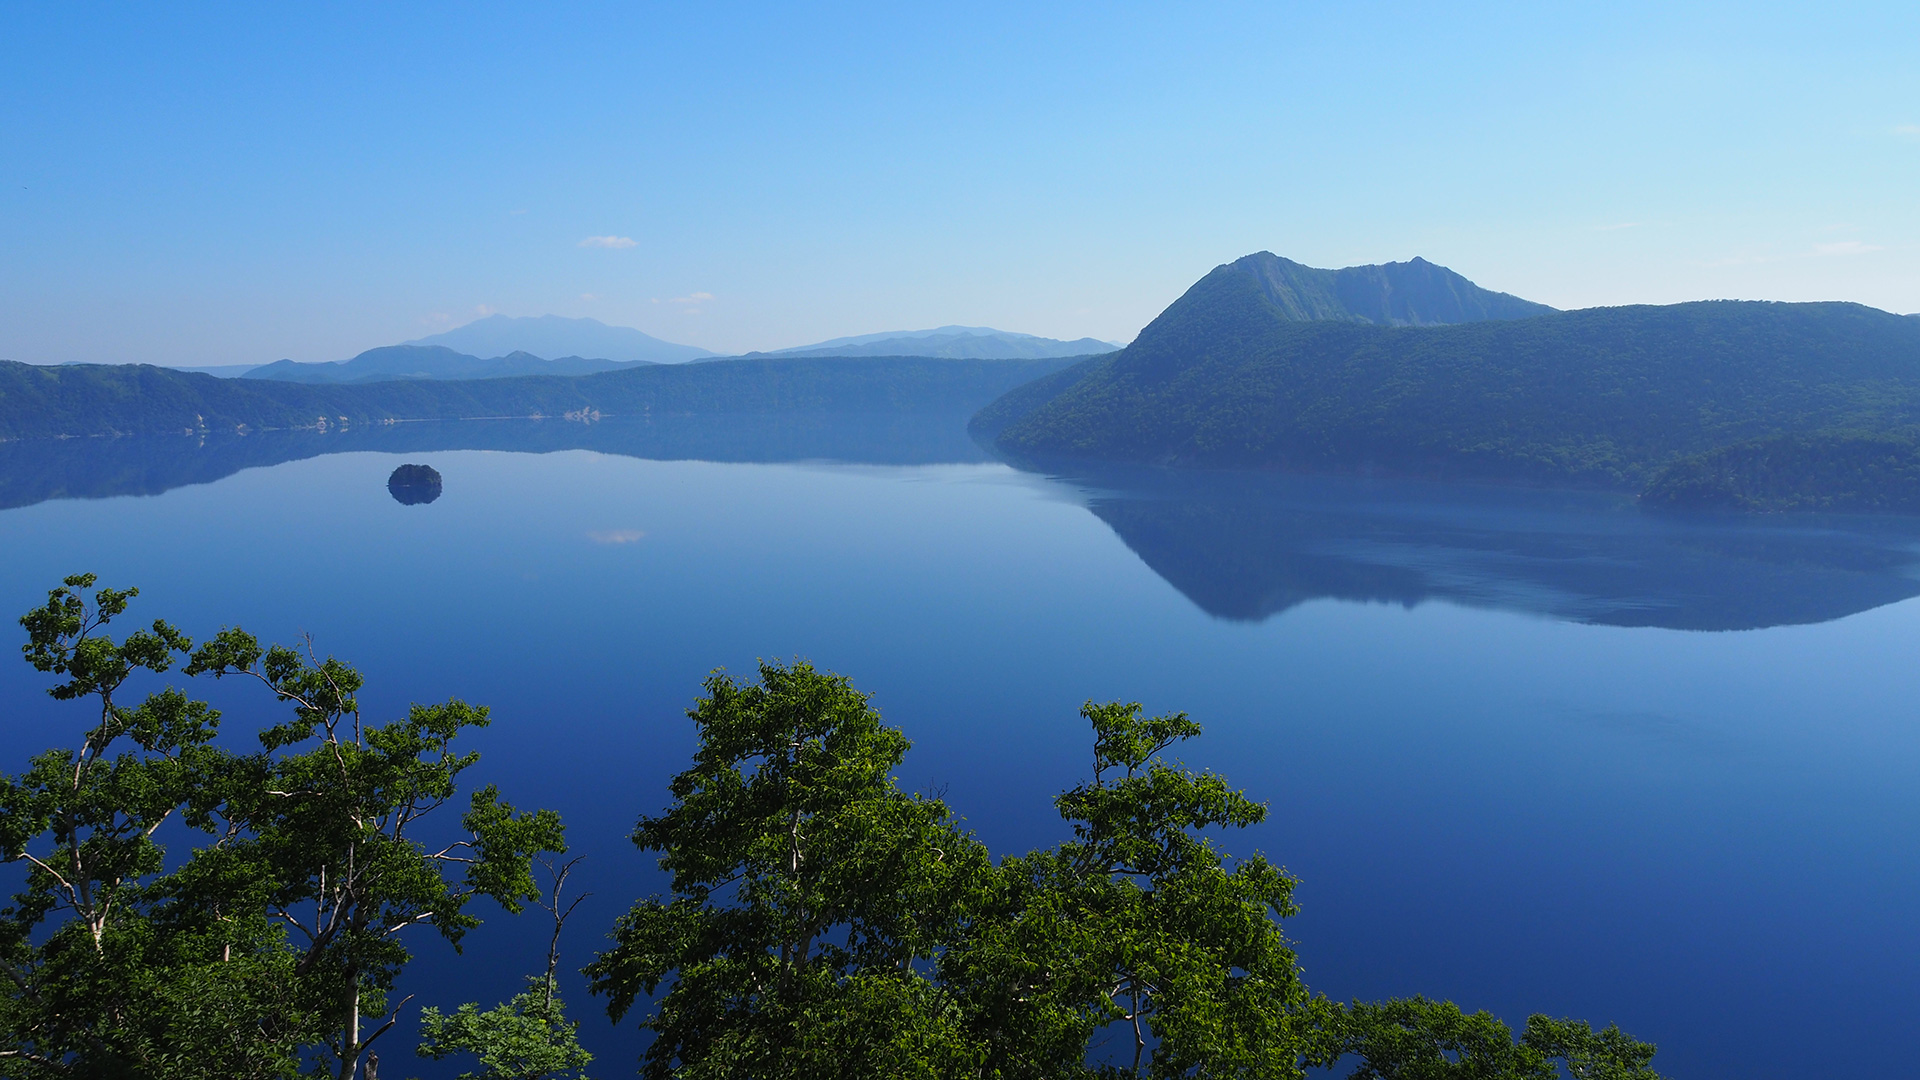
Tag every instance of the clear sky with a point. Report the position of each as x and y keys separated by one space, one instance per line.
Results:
x=202 y=184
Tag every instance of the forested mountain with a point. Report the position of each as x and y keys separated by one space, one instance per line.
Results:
x=138 y=399
x=431 y=362
x=1611 y=396
x=1414 y=293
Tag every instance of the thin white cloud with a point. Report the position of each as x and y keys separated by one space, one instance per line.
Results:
x=1743 y=260
x=589 y=296
x=1844 y=247
x=616 y=536
x=1906 y=129
x=607 y=242
x=692 y=298
x=481 y=311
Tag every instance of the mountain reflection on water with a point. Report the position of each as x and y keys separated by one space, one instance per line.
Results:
x=36 y=470
x=1248 y=546
x=1240 y=546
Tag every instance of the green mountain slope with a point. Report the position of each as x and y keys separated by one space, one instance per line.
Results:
x=1820 y=471
x=1414 y=293
x=94 y=400
x=1606 y=395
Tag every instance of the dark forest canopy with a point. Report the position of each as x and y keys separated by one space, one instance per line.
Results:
x=1606 y=396
x=138 y=399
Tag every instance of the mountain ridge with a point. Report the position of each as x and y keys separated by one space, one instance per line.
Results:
x=558 y=335
x=1612 y=397
x=1411 y=293
x=400 y=362
x=91 y=400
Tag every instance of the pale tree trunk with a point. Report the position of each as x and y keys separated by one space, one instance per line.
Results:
x=350 y=1052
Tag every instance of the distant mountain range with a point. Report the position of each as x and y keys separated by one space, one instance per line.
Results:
x=553 y=335
x=81 y=400
x=952 y=342
x=496 y=347
x=1411 y=368
x=500 y=346
x=394 y=362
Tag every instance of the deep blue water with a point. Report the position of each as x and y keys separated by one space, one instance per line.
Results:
x=1530 y=751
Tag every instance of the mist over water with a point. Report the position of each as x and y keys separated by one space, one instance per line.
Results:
x=1526 y=750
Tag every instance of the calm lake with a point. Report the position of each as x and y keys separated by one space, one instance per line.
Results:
x=1530 y=751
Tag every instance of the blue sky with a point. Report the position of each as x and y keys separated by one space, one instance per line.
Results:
x=203 y=184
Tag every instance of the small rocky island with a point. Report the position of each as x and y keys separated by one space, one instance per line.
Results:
x=411 y=485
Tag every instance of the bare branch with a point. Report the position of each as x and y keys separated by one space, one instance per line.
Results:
x=55 y=874
x=147 y=834
x=391 y=1020
x=409 y=921
x=295 y=923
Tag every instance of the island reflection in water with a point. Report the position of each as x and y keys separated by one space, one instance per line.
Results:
x=1240 y=546
x=1248 y=546
x=35 y=470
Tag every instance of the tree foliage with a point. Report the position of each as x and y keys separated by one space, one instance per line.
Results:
x=274 y=937
x=528 y=1037
x=117 y=966
x=1139 y=923
x=822 y=923
x=808 y=895
x=331 y=819
x=1418 y=1039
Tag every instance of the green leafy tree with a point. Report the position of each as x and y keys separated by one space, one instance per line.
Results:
x=115 y=966
x=823 y=924
x=527 y=1038
x=266 y=946
x=809 y=897
x=1138 y=923
x=331 y=821
x=1418 y=1039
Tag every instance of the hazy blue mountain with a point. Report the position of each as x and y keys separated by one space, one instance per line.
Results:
x=954 y=342
x=218 y=371
x=140 y=399
x=429 y=362
x=552 y=335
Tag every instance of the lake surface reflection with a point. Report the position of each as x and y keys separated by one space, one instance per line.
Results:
x=1249 y=546
x=1502 y=759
